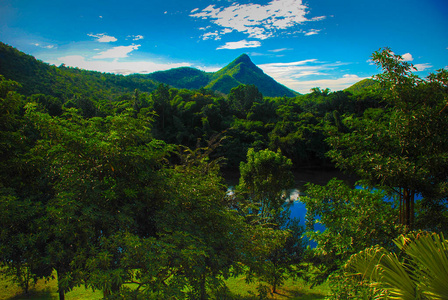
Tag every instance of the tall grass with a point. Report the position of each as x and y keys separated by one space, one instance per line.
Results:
x=237 y=289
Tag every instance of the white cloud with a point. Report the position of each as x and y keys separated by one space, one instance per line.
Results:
x=320 y=18
x=103 y=38
x=240 y=44
x=303 y=75
x=280 y=50
x=334 y=84
x=407 y=57
x=117 y=52
x=44 y=46
x=422 y=67
x=116 y=66
x=370 y=62
x=211 y=35
x=137 y=37
x=312 y=32
x=257 y=21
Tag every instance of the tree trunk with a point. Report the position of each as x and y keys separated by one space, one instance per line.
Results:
x=61 y=294
x=203 y=291
x=407 y=216
x=400 y=216
x=412 y=212
x=61 y=291
x=407 y=209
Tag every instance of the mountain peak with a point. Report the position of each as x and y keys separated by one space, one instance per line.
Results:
x=243 y=71
x=243 y=58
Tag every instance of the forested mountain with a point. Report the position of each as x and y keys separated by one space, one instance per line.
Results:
x=243 y=71
x=182 y=78
x=362 y=86
x=38 y=77
x=240 y=71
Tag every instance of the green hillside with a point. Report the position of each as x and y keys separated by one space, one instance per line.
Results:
x=362 y=86
x=240 y=71
x=184 y=77
x=64 y=82
x=223 y=84
x=244 y=71
x=38 y=77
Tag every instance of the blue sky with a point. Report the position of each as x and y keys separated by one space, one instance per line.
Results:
x=300 y=43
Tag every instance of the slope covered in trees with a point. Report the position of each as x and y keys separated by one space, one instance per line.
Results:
x=240 y=71
x=363 y=86
x=37 y=77
x=182 y=78
x=244 y=71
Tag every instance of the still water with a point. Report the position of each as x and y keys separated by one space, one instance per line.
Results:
x=319 y=176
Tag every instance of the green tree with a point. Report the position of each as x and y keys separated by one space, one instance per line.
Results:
x=199 y=240
x=214 y=235
x=161 y=98
x=282 y=253
x=402 y=147
x=353 y=219
x=264 y=181
x=263 y=191
x=103 y=175
x=22 y=193
x=242 y=98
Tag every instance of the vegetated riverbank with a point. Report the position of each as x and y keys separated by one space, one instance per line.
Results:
x=302 y=176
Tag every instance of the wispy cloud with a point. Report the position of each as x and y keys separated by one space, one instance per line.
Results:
x=44 y=46
x=422 y=67
x=240 y=44
x=334 y=84
x=117 y=52
x=103 y=38
x=312 y=32
x=117 y=66
x=303 y=75
x=257 y=21
x=136 y=37
x=299 y=69
x=279 y=50
x=211 y=36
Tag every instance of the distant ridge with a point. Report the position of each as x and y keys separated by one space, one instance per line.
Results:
x=182 y=78
x=240 y=71
x=244 y=71
x=363 y=86
x=39 y=77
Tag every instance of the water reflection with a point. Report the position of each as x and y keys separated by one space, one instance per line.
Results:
x=303 y=176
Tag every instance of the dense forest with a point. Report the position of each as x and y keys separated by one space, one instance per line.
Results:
x=115 y=183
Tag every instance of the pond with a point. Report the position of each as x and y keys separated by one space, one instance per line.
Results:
x=303 y=176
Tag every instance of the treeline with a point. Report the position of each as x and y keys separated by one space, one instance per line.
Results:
x=125 y=194
x=297 y=126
